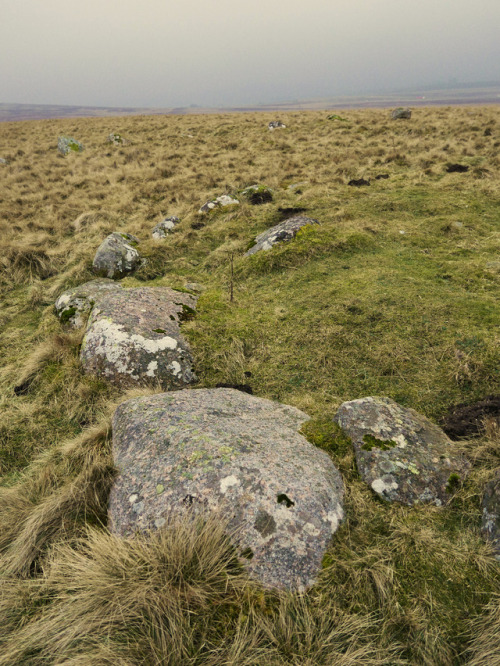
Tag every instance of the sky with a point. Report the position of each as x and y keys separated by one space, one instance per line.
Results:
x=161 y=53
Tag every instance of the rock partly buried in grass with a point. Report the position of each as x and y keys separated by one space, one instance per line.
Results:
x=117 y=256
x=490 y=526
x=457 y=168
x=276 y=124
x=74 y=305
x=116 y=139
x=133 y=337
x=402 y=455
x=401 y=113
x=66 y=145
x=283 y=231
x=219 y=202
x=223 y=451
x=468 y=419
x=165 y=227
x=3 y=160
x=257 y=194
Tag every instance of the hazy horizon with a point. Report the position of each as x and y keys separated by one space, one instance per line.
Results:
x=154 y=55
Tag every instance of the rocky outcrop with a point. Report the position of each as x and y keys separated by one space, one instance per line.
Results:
x=402 y=455
x=490 y=526
x=257 y=194
x=133 y=336
x=219 y=202
x=401 y=113
x=165 y=227
x=281 y=232
x=66 y=145
x=117 y=256
x=276 y=124
x=74 y=305
x=224 y=451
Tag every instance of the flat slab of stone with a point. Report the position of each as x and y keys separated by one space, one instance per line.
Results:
x=74 y=305
x=490 y=525
x=284 y=231
x=402 y=455
x=117 y=256
x=133 y=336
x=224 y=451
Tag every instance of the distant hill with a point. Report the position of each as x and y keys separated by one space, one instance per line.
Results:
x=487 y=94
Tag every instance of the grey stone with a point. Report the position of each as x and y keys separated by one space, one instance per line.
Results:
x=116 y=139
x=66 y=145
x=74 y=305
x=188 y=452
x=283 y=231
x=165 y=227
x=401 y=113
x=117 y=256
x=133 y=336
x=219 y=202
x=490 y=526
x=400 y=454
x=276 y=124
x=3 y=161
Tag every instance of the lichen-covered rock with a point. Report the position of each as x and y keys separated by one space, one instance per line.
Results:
x=66 y=145
x=74 y=305
x=133 y=336
x=401 y=113
x=224 y=451
x=491 y=514
x=117 y=256
x=219 y=202
x=3 y=160
x=402 y=455
x=276 y=124
x=257 y=194
x=283 y=231
x=165 y=227
x=116 y=139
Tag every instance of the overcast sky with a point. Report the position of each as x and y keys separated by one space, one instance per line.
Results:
x=234 y=53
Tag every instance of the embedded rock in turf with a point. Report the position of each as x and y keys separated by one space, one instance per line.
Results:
x=223 y=451
x=117 y=256
x=165 y=227
x=401 y=113
x=276 y=124
x=219 y=202
x=74 y=305
x=257 y=194
x=402 y=455
x=491 y=513
x=133 y=336
x=66 y=145
x=283 y=231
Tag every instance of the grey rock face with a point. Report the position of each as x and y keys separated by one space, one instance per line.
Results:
x=74 y=305
x=257 y=194
x=219 y=202
x=116 y=139
x=133 y=336
x=224 y=451
x=165 y=227
x=402 y=455
x=401 y=113
x=66 y=145
x=117 y=256
x=276 y=124
x=283 y=231
x=491 y=514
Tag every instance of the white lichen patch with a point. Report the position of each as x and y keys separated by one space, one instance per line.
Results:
x=228 y=482
x=334 y=518
x=401 y=441
x=133 y=498
x=380 y=486
x=175 y=366
x=151 y=368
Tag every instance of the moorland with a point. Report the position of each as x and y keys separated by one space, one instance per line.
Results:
x=394 y=293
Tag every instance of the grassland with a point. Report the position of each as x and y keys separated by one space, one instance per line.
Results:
x=395 y=293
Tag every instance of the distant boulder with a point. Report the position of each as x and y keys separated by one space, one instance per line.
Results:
x=283 y=231
x=276 y=124
x=401 y=113
x=257 y=194
x=400 y=454
x=117 y=256
x=219 y=202
x=165 y=227
x=116 y=139
x=66 y=145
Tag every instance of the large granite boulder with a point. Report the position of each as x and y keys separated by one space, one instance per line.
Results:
x=117 y=256
x=491 y=513
x=283 y=231
x=133 y=336
x=66 y=145
x=165 y=227
x=402 y=455
x=401 y=113
x=74 y=305
x=220 y=202
x=224 y=451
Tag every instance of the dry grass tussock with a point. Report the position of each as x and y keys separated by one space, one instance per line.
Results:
x=394 y=293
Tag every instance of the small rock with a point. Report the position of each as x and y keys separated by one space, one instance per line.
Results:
x=66 y=145
x=242 y=457
x=257 y=194
x=276 y=124
x=400 y=454
x=74 y=305
x=224 y=200
x=401 y=113
x=116 y=139
x=283 y=231
x=117 y=256
x=360 y=182
x=3 y=160
x=490 y=526
x=457 y=168
x=165 y=227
